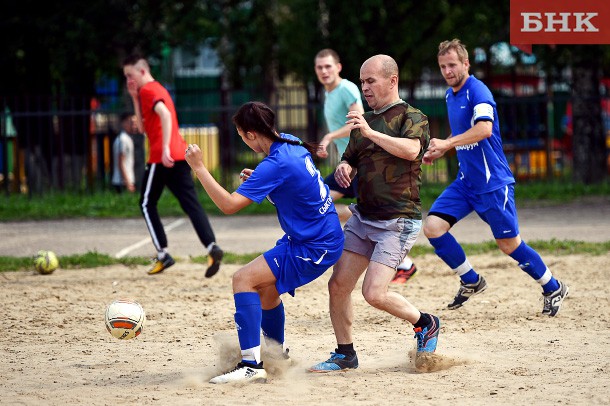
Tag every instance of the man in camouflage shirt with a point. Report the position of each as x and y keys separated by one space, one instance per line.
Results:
x=389 y=186
x=385 y=150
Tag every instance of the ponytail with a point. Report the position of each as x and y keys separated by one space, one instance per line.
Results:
x=257 y=116
x=309 y=146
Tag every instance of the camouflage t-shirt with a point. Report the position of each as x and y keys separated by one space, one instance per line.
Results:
x=388 y=186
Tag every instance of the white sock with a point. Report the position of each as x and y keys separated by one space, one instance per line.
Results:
x=161 y=254
x=407 y=262
x=252 y=354
x=209 y=247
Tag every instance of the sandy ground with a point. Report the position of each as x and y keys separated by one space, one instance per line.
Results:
x=498 y=349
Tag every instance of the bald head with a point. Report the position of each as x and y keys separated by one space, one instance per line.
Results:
x=385 y=64
x=379 y=79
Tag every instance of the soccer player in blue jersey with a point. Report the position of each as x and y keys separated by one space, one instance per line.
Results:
x=313 y=241
x=484 y=184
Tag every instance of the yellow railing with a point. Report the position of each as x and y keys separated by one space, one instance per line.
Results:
x=207 y=139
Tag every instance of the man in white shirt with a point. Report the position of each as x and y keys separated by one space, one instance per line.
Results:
x=123 y=176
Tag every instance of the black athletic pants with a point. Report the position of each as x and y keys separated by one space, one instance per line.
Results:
x=179 y=181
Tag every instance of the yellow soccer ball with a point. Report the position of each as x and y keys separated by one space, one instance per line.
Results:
x=46 y=262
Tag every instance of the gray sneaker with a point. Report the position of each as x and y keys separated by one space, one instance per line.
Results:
x=466 y=292
x=553 y=300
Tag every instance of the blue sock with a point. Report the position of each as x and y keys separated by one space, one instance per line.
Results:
x=248 y=317
x=273 y=323
x=534 y=266
x=450 y=251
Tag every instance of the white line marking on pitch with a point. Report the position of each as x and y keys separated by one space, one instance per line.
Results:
x=144 y=241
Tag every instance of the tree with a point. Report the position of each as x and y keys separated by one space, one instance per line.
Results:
x=62 y=48
x=54 y=53
x=585 y=64
x=589 y=139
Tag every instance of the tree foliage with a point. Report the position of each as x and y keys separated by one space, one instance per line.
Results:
x=64 y=47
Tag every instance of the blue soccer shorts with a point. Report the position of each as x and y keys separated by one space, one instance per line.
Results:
x=295 y=264
x=496 y=208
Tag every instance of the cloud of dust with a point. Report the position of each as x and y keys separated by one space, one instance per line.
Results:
x=433 y=361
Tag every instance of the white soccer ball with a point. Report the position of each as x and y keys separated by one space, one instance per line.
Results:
x=46 y=262
x=125 y=319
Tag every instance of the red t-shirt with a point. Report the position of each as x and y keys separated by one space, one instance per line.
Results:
x=150 y=94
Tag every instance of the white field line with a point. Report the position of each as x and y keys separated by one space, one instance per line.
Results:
x=144 y=241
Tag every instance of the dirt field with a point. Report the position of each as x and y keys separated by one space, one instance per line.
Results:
x=497 y=349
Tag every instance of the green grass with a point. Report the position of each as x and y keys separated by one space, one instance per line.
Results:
x=110 y=205
x=551 y=247
x=100 y=205
x=94 y=259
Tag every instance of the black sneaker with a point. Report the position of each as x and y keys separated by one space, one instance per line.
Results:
x=159 y=265
x=336 y=362
x=466 y=292
x=214 y=258
x=553 y=300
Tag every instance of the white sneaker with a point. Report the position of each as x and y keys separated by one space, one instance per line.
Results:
x=243 y=373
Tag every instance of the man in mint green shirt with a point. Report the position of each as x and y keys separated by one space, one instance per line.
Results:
x=340 y=97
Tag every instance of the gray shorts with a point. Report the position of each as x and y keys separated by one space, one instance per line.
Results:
x=384 y=241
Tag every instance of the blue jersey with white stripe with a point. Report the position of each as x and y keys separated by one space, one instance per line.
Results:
x=483 y=165
x=305 y=209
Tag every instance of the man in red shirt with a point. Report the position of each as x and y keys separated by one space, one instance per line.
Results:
x=166 y=165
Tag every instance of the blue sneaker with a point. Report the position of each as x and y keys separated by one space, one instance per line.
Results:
x=336 y=362
x=427 y=337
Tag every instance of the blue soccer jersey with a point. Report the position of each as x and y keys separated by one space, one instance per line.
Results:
x=483 y=165
x=289 y=178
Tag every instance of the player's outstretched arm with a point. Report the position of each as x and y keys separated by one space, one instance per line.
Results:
x=228 y=203
x=405 y=148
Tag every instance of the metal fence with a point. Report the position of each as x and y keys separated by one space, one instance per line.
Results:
x=64 y=144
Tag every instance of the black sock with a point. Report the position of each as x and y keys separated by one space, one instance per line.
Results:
x=423 y=321
x=346 y=349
